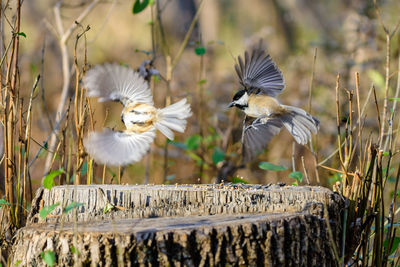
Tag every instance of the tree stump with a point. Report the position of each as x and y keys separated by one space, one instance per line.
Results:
x=191 y=225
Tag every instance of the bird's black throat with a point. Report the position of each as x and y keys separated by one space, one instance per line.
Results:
x=241 y=107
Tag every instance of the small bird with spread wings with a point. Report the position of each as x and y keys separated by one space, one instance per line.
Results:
x=262 y=81
x=112 y=82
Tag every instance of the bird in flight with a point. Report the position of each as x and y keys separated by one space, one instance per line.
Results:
x=112 y=82
x=261 y=82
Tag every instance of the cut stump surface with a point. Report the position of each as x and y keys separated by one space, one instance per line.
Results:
x=190 y=225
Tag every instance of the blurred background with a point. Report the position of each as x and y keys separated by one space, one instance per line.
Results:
x=331 y=37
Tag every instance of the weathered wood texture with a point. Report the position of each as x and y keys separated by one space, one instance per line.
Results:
x=142 y=201
x=195 y=225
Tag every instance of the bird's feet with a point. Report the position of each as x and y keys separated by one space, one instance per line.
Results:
x=261 y=120
x=252 y=126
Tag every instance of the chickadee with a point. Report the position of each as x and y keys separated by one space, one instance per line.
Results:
x=112 y=82
x=262 y=81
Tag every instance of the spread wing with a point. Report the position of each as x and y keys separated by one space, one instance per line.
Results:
x=259 y=74
x=118 y=148
x=112 y=82
x=257 y=135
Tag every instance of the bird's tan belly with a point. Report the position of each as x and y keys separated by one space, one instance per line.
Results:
x=259 y=106
x=136 y=128
x=139 y=118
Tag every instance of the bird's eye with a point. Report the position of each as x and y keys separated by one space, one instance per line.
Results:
x=136 y=112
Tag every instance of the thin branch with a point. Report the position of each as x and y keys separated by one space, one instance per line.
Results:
x=312 y=81
x=187 y=36
x=63 y=38
x=103 y=25
x=46 y=110
x=336 y=170
x=359 y=118
x=293 y=156
x=362 y=114
x=396 y=95
x=338 y=117
x=385 y=101
x=305 y=170
x=78 y=21
x=5 y=53
x=50 y=27
x=378 y=14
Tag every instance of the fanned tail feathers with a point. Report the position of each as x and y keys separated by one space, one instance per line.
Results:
x=300 y=124
x=173 y=117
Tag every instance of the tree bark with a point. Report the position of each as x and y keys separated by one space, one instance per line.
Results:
x=191 y=225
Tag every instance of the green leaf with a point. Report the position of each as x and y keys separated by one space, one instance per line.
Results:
x=193 y=142
x=396 y=242
x=202 y=82
x=171 y=177
x=337 y=177
x=139 y=6
x=113 y=174
x=394 y=99
x=397 y=193
x=46 y=210
x=376 y=78
x=271 y=167
x=75 y=250
x=84 y=168
x=218 y=155
x=72 y=178
x=48 y=257
x=296 y=175
x=17 y=263
x=21 y=34
x=177 y=144
x=108 y=207
x=48 y=181
x=4 y=202
x=200 y=50
x=196 y=158
x=156 y=78
x=237 y=180
x=209 y=139
x=71 y=206
x=42 y=152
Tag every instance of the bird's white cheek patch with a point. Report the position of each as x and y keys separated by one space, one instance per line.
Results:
x=244 y=100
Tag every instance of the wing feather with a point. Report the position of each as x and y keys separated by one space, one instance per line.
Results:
x=259 y=74
x=118 y=148
x=112 y=82
x=257 y=135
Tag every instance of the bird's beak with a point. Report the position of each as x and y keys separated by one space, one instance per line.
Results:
x=231 y=104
